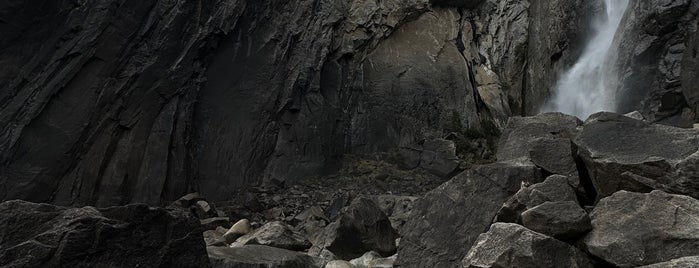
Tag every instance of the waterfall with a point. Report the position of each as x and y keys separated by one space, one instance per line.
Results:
x=583 y=89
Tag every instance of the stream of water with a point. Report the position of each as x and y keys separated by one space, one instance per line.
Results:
x=583 y=90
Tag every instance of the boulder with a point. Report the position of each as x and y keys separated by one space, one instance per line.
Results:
x=555 y=188
x=622 y=153
x=437 y=156
x=561 y=220
x=215 y=237
x=41 y=235
x=360 y=228
x=257 y=256
x=544 y=139
x=512 y=245
x=240 y=228
x=634 y=229
x=449 y=219
x=275 y=234
x=397 y=208
x=692 y=261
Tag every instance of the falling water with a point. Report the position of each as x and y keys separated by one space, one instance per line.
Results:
x=582 y=90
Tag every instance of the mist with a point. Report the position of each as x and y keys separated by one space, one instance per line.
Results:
x=585 y=88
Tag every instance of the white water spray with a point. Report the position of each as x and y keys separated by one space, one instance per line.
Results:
x=583 y=90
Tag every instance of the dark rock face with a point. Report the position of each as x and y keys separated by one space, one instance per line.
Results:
x=448 y=219
x=41 y=235
x=179 y=96
x=634 y=229
x=656 y=61
x=255 y=256
x=512 y=245
x=622 y=153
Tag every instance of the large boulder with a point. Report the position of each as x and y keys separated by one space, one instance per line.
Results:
x=41 y=235
x=397 y=208
x=633 y=229
x=449 y=219
x=512 y=245
x=561 y=220
x=555 y=188
x=361 y=227
x=257 y=256
x=544 y=139
x=622 y=153
x=275 y=234
x=692 y=261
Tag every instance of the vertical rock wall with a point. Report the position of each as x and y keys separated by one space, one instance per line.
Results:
x=117 y=101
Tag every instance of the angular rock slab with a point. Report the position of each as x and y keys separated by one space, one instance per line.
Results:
x=623 y=153
x=561 y=220
x=555 y=188
x=692 y=261
x=633 y=229
x=41 y=235
x=512 y=245
x=361 y=227
x=275 y=234
x=447 y=220
x=256 y=256
x=544 y=139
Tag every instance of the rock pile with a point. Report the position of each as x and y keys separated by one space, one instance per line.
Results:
x=613 y=191
x=637 y=180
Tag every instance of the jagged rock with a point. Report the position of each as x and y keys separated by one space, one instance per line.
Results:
x=692 y=261
x=204 y=210
x=397 y=208
x=448 y=219
x=656 y=62
x=512 y=245
x=362 y=227
x=41 y=235
x=622 y=153
x=186 y=201
x=240 y=228
x=275 y=234
x=544 y=139
x=256 y=256
x=634 y=229
x=439 y=157
x=561 y=220
x=555 y=188
x=215 y=237
x=635 y=115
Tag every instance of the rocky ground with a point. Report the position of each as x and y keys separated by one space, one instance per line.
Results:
x=613 y=191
